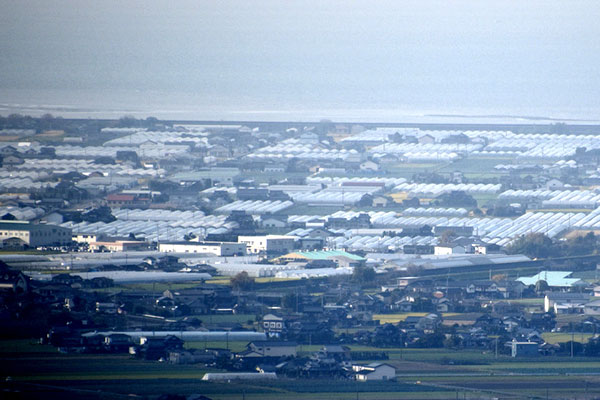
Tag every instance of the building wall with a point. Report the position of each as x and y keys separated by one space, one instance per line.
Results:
x=592 y=310
x=255 y=244
x=85 y=238
x=444 y=251
x=381 y=373
x=280 y=245
x=520 y=349
x=37 y=234
x=219 y=249
x=275 y=351
x=119 y=245
x=261 y=244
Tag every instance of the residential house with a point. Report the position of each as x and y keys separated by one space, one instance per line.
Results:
x=12 y=280
x=565 y=303
x=363 y=220
x=592 y=308
x=269 y=349
x=8 y=151
x=117 y=343
x=126 y=200
x=338 y=352
x=156 y=348
x=426 y=139
x=380 y=201
x=482 y=287
x=11 y=160
x=273 y=221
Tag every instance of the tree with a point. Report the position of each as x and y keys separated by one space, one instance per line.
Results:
x=452 y=342
x=128 y=121
x=581 y=245
x=366 y=201
x=534 y=245
x=592 y=347
x=447 y=236
x=242 y=281
x=100 y=214
x=189 y=236
x=422 y=304
x=431 y=340
x=363 y=274
x=541 y=286
x=413 y=269
x=457 y=198
x=289 y=301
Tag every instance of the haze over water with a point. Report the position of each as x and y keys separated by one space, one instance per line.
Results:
x=391 y=61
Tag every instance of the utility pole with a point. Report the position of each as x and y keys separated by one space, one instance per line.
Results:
x=572 y=339
x=496 y=348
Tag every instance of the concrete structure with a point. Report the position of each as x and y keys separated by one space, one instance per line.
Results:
x=222 y=249
x=269 y=244
x=374 y=372
x=22 y=234
x=273 y=325
x=524 y=349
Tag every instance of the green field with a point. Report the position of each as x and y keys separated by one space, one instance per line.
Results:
x=395 y=318
x=552 y=337
x=422 y=374
x=235 y=346
x=159 y=287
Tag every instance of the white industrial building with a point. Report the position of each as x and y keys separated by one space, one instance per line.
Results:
x=222 y=249
x=24 y=234
x=269 y=244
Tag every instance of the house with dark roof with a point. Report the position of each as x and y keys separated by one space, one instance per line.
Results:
x=565 y=303
x=266 y=348
x=12 y=280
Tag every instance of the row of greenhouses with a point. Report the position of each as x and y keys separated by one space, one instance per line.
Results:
x=255 y=206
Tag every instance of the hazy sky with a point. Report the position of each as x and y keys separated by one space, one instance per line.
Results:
x=492 y=56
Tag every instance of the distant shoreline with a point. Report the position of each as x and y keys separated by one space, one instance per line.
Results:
x=526 y=127
x=191 y=114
